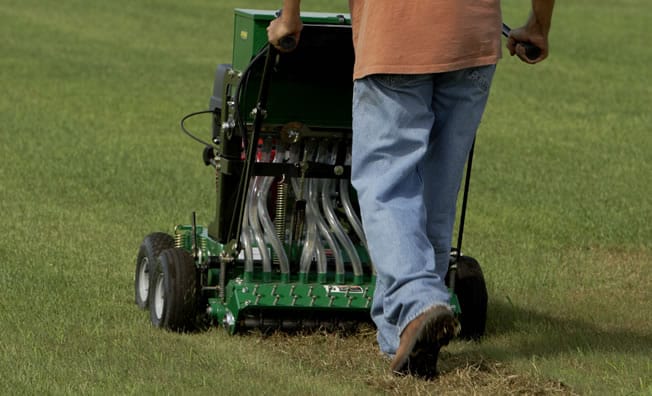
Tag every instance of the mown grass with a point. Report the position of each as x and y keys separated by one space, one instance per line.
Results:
x=92 y=160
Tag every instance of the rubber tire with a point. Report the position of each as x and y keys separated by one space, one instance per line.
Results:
x=472 y=295
x=152 y=246
x=173 y=299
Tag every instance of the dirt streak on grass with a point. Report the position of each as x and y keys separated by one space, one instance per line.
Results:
x=355 y=357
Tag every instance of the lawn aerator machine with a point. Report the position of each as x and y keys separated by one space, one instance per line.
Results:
x=286 y=249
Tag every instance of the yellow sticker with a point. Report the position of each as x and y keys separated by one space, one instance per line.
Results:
x=244 y=34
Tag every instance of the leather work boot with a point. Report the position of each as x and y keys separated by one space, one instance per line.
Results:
x=421 y=341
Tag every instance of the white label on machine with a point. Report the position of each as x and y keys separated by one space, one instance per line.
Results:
x=344 y=289
x=255 y=253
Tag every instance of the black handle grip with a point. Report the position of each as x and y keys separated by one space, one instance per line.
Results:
x=531 y=51
x=288 y=43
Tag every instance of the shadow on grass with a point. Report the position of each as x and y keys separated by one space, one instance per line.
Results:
x=535 y=333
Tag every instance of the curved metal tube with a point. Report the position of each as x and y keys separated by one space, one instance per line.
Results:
x=326 y=156
x=350 y=212
x=352 y=216
x=245 y=238
x=254 y=223
x=355 y=221
x=312 y=245
x=313 y=211
x=312 y=206
x=266 y=221
x=336 y=227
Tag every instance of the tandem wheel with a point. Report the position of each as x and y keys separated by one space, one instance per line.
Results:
x=173 y=291
x=152 y=246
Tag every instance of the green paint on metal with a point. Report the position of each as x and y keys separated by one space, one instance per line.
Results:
x=263 y=291
x=212 y=277
x=267 y=277
x=206 y=246
x=242 y=296
x=327 y=69
x=250 y=30
x=248 y=276
x=455 y=303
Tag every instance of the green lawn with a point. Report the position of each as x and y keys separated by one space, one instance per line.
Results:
x=560 y=212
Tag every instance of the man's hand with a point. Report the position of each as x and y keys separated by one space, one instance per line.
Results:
x=288 y=24
x=527 y=35
x=535 y=32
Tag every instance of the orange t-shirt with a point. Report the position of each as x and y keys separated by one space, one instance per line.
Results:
x=424 y=36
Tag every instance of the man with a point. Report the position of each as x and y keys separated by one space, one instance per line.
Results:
x=421 y=81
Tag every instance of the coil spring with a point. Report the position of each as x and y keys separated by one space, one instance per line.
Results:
x=178 y=239
x=280 y=211
x=281 y=208
x=203 y=242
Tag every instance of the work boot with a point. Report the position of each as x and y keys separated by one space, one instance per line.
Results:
x=421 y=341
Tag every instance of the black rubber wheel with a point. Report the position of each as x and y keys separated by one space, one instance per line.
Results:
x=173 y=297
x=152 y=246
x=472 y=294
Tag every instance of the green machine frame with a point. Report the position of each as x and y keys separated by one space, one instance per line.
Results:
x=285 y=248
x=307 y=110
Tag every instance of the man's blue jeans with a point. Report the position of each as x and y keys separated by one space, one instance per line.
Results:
x=411 y=138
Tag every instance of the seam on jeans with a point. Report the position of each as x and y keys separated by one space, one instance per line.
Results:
x=398 y=80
